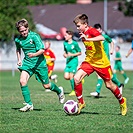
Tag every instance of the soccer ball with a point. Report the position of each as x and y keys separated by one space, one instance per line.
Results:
x=70 y=107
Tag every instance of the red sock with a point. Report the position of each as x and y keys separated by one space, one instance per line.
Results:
x=78 y=90
x=118 y=95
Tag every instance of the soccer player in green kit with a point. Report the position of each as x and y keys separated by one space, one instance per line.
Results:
x=118 y=64
x=33 y=63
x=71 y=53
x=108 y=51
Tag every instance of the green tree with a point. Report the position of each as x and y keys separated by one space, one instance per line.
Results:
x=126 y=7
x=10 y=12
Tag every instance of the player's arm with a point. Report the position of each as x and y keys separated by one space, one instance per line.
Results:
x=129 y=52
x=65 y=55
x=75 y=54
x=41 y=51
x=111 y=47
x=18 y=53
x=95 y=38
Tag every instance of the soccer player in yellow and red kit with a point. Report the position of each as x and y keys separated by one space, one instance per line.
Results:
x=50 y=60
x=95 y=60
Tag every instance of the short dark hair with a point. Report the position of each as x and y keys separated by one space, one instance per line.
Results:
x=97 y=26
x=69 y=32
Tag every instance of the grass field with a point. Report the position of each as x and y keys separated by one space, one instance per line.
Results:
x=100 y=115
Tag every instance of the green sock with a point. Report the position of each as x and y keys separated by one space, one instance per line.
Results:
x=26 y=94
x=115 y=80
x=54 y=88
x=99 y=85
x=72 y=84
x=124 y=75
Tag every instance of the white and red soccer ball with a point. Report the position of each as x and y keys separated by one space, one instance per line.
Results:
x=70 y=107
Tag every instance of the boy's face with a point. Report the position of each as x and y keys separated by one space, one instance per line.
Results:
x=23 y=31
x=67 y=36
x=47 y=45
x=100 y=30
x=81 y=27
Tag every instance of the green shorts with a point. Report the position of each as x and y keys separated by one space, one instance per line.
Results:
x=118 y=67
x=41 y=73
x=70 y=69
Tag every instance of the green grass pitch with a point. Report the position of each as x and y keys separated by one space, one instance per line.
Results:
x=100 y=115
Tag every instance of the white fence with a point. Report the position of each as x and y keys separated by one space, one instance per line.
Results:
x=8 y=59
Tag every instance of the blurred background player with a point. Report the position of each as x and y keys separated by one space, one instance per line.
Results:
x=50 y=60
x=108 y=46
x=130 y=51
x=118 y=64
x=71 y=53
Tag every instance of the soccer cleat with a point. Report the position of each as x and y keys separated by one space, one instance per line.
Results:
x=126 y=80
x=95 y=94
x=54 y=77
x=61 y=95
x=27 y=107
x=123 y=107
x=80 y=107
x=121 y=88
x=72 y=93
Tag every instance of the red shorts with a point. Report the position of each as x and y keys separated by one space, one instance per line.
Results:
x=104 y=73
x=50 y=70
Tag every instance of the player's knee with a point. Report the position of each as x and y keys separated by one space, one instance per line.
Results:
x=46 y=86
x=23 y=82
x=76 y=80
x=66 y=77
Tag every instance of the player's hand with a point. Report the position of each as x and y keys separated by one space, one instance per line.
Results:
x=31 y=55
x=82 y=35
x=111 y=52
x=69 y=54
x=19 y=63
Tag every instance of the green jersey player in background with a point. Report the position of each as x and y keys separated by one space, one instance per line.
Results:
x=118 y=64
x=108 y=50
x=33 y=63
x=71 y=53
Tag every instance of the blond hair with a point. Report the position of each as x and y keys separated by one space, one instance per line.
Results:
x=83 y=18
x=22 y=22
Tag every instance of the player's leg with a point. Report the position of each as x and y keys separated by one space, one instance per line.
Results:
x=117 y=82
x=85 y=69
x=58 y=90
x=98 y=87
x=106 y=74
x=24 y=77
x=125 y=76
x=42 y=75
x=78 y=88
x=72 y=84
x=118 y=95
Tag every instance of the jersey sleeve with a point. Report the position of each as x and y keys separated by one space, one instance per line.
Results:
x=17 y=44
x=94 y=32
x=64 y=47
x=78 y=49
x=52 y=55
x=107 y=38
x=38 y=42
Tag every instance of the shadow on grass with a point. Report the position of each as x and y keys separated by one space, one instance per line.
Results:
x=97 y=97
x=33 y=109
